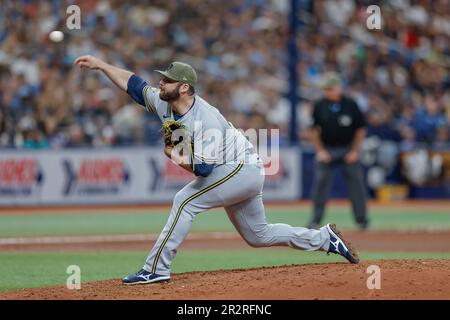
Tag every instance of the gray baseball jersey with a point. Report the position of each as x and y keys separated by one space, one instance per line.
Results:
x=215 y=139
x=236 y=183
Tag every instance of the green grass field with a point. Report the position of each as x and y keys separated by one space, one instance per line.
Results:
x=138 y=221
x=25 y=270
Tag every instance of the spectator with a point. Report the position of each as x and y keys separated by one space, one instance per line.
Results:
x=35 y=139
x=380 y=120
x=409 y=54
x=77 y=137
x=428 y=120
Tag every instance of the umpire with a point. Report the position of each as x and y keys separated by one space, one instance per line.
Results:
x=337 y=134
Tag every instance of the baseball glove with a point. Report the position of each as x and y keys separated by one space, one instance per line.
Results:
x=169 y=127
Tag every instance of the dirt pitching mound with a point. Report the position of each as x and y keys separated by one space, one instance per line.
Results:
x=400 y=279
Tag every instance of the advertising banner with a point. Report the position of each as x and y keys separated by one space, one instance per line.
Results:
x=108 y=176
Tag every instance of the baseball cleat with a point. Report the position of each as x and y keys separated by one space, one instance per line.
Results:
x=144 y=277
x=339 y=246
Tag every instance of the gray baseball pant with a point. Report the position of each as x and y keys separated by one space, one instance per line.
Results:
x=237 y=187
x=353 y=175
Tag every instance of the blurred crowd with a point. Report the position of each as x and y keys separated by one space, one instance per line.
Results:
x=399 y=75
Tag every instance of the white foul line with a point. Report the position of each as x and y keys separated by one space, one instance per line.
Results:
x=109 y=238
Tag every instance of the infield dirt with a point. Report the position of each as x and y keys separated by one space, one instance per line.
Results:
x=400 y=279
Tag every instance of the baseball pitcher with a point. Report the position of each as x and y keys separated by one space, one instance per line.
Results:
x=229 y=173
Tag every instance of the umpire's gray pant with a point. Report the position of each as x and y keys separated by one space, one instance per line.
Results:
x=353 y=175
x=238 y=188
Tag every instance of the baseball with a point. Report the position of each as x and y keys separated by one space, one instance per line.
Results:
x=56 y=36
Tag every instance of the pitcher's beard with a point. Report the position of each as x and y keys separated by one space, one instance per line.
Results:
x=170 y=96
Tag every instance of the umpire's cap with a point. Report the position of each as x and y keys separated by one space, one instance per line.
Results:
x=181 y=72
x=331 y=79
